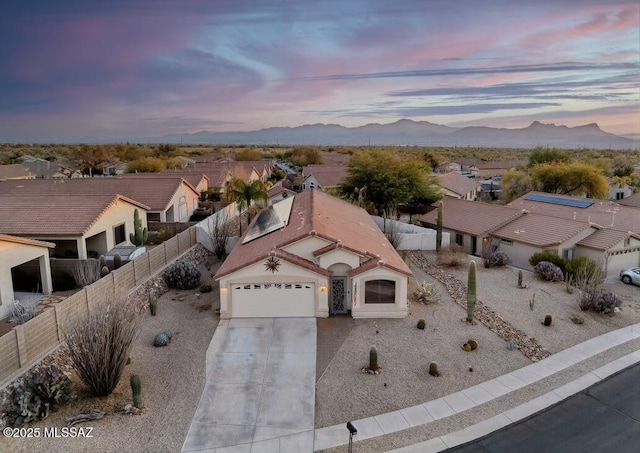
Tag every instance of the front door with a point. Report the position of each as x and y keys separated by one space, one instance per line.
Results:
x=338 y=295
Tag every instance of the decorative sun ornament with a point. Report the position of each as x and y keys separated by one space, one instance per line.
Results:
x=272 y=264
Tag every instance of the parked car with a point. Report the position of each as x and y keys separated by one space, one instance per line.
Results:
x=630 y=276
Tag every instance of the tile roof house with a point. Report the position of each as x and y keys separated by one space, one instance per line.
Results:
x=169 y=198
x=80 y=226
x=458 y=186
x=14 y=253
x=313 y=255
x=632 y=202
x=15 y=171
x=278 y=193
x=601 y=230
x=323 y=177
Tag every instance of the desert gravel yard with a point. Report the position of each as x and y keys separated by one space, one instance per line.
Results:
x=344 y=393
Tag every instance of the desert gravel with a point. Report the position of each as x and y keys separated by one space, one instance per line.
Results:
x=343 y=393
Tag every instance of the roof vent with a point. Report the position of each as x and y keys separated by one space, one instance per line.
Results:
x=380 y=262
x=312 y=233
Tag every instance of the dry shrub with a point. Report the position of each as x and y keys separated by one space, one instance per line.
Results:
x=451 y=256
x=100 y=344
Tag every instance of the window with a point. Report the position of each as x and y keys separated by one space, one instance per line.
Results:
x=567 y=254
x=380 y=292
x=506 y=242
x=459 y=239
x=119 y=234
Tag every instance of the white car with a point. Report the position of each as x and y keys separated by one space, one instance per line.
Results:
x=630 y=276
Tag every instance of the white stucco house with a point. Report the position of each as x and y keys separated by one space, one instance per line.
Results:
x=14 y=252
x=313 y=255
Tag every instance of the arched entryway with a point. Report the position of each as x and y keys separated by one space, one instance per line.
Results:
x=339 y=300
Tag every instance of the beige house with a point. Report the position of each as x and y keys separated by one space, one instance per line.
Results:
x=168 y=198
x=313 y=255
x=278 y=193
x=457 y=186
x=323 y=177
x=80 y=226
x=14 y=252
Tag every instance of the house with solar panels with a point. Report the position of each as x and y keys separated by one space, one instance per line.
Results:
x=314 y=255
x=604 y=231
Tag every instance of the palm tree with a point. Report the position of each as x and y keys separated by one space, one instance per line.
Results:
x=245 y=193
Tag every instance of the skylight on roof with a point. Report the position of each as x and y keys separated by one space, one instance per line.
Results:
x=550 y=199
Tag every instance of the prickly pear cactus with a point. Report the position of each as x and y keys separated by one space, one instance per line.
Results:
x=181 y=275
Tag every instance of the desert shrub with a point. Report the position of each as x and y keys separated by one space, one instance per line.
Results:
x=579 y=265
x=206 y=288
x=499 y=259
x=589 y=285
x=428 y=293
x=548 y=271
x=31 y=398
x=100 y=344
x=451 y=256
x=607 y=303
x=164 y=235
x=62 y=281
x=182 y=275
x=22 y=314
x=549 y=256
x=86 y=272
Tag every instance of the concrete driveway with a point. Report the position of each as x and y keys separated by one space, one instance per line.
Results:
x=259 y=394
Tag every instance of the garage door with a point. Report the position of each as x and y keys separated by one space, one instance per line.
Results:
x=268 y=300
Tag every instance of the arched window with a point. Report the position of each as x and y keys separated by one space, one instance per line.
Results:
x=380 y=292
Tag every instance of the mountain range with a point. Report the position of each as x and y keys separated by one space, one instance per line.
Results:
x=405 y=132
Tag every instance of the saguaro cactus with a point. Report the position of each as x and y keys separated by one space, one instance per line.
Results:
x=140 y=235
x=136 y=390
x=373 y=358
x=439 y=229
x=471 y=291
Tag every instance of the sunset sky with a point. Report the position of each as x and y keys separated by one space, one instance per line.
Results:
x=117 y=69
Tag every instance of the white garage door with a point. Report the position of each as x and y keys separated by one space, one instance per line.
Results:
x=268 y=300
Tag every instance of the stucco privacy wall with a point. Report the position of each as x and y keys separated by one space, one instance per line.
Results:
x=205 y=227
x=412 y=237
x=29 y=342
x=13 y=254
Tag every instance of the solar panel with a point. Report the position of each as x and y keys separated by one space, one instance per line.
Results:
x=559 y=201
x=267 y=222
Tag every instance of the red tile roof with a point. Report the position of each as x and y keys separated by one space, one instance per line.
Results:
x=633 y=201
x=19 y=240
x=540 y=230
x=15 y=171
x=326 y=175
x=471 y=217
x=604 y=239
x=55 y=214
x=315 y=213
x=457 y=183
x=155 y=192
x=606 y=214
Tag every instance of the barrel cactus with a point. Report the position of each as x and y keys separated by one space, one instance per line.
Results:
x=422 y=324
x=547 y=320
x=473 y=344
x=136 y=390
x=182 y=275
x=162 y=339
x=433 y=369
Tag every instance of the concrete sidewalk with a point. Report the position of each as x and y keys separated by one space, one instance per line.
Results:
x=260 y=390
x=465 y=400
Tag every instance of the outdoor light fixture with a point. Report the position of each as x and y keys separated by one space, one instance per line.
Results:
x=352 y=432
x=323 y=289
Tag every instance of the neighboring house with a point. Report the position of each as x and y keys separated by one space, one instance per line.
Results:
x=487 y=169
x=14 y=252
x=601 y=230
x=323 y=177
x=470 y=223
x=114 y=168
x=278 y=193
x=490 y=190
x=619 y=192
x=313 y=255
x=169 y=198
x=42 y=168
x=15 y=171
x=80 y=226
x=458 y=186
x=632 y=201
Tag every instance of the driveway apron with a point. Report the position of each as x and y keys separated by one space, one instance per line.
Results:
x=260 y=389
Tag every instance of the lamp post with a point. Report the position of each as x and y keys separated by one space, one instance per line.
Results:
x=352 y=432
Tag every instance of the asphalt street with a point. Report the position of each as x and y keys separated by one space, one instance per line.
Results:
x=603 y=418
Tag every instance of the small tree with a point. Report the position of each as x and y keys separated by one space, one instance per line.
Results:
x=100 y=344
x=246 y=193
x=220 y=232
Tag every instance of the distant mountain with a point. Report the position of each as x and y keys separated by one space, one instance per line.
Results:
x=407 y=132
